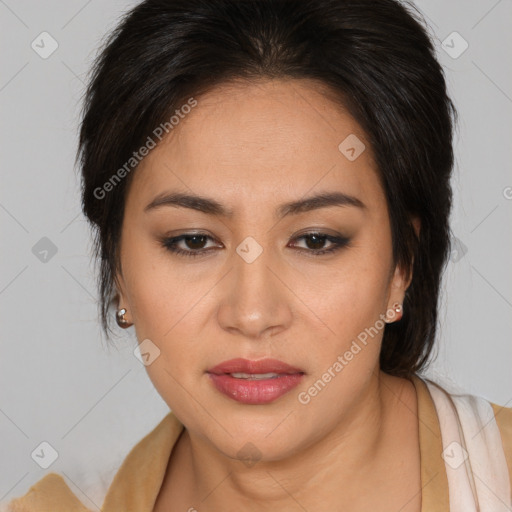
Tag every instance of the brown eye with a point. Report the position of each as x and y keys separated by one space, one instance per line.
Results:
x=195 y=241
x=192 y=244
x=315 y=243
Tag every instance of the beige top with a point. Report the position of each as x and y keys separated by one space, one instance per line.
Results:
x=137 y=482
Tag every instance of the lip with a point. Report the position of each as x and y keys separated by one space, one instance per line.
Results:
x=255 y=392
x=241 y=365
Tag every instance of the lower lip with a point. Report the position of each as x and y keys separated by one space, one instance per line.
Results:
x=255 y=392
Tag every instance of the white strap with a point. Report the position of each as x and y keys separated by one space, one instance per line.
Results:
x=475 y=462
x=454 y=454
x=483 y=437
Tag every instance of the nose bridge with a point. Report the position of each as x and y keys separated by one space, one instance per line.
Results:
x=255 y=302
x=251 y=271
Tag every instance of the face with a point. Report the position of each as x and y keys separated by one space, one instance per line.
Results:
x=259 y=271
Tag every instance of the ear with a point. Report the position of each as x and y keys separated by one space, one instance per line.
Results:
x=399 y=284
x=120 y=298
x=400 y=281
x=416 y=224
x=397 y=287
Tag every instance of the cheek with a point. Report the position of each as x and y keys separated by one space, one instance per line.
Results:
x=351 y=306
x=159 y=294
x=345 y=357
x=355 y=332
x=357 y=295
x=167 y=306
x=168 y=314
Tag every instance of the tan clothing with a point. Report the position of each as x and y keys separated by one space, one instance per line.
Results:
x=137 y=483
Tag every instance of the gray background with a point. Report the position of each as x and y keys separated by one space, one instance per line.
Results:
x=61 y=383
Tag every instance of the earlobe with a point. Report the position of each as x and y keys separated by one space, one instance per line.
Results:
x=398 y=287
x=404 y=279
x=400 y=281
x=394 y=314
x=121 y=303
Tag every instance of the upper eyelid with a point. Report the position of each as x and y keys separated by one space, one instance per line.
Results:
x=300 y=235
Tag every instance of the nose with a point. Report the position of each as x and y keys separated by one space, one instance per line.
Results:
x=255 y=302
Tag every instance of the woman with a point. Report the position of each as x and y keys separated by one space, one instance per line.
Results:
x=269 y=183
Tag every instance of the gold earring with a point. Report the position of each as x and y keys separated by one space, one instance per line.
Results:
x=121 y=320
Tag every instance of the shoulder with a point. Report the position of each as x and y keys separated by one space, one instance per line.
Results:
x=139 y=478
x=503 y=416
x=140 y=472
x=486 y=425
x=49 y=493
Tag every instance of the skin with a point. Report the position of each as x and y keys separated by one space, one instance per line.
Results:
x=252 y=147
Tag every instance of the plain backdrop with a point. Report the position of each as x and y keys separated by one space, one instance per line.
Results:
x=59 y=381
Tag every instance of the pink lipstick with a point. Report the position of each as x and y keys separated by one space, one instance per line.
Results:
x=254 y=382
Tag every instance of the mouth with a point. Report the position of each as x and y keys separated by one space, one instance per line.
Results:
x=255 y=376
x=254 y=382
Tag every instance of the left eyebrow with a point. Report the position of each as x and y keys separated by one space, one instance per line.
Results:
x=212 y=207
x=200 y=203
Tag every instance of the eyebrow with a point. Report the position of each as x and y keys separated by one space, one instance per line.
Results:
x=210 y=206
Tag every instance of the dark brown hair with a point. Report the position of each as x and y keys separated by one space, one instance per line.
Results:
x=375 y=55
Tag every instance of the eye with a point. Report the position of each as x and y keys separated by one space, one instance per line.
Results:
x=194 y=244
x=315 y=243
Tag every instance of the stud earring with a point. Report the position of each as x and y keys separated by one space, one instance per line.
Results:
x=121 y=320
x=394 y=314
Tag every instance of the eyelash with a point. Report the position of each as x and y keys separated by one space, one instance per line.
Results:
x=169 y=244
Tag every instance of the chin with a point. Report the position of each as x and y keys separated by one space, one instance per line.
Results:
x=263 y=435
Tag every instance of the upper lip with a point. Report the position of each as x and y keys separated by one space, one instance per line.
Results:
x=240 y=365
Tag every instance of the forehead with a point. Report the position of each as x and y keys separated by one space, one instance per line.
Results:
x=248 y=141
